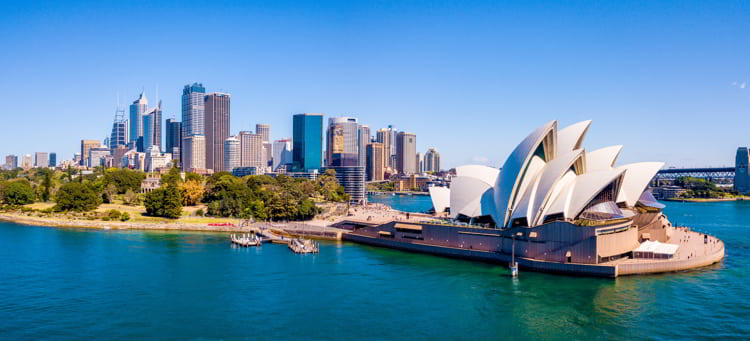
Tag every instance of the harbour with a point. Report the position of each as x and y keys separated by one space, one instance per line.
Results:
x=148 y=275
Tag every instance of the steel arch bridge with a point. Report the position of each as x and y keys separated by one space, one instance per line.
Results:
x=704 y=173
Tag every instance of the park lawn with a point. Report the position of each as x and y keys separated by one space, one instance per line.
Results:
x=40 y=205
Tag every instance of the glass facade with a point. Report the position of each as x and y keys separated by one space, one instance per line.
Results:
x=307 y=140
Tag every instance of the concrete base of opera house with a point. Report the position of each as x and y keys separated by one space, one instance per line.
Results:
x=694 y=253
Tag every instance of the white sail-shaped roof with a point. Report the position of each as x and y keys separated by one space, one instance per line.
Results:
x=484 y=173
x=637 y=177
x=515 y=169
x=602 y=159
x=571 y=137
x=466 y=196
x=587 y=186
x=441 y=198
x=552 y=173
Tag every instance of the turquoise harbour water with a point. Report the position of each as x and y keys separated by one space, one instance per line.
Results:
x=88 y=284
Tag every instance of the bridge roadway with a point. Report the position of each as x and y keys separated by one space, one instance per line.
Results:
x=705 y=173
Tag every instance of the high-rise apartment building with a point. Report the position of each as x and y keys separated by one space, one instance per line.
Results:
x=53 y=159
x=137 y=109
x=341 y=137
x=216 y=124
x=282 y=153
x=193 y=153
x=384 y=136
x=86 y=146
x=174 y=137
x=363 y=139
x=419 y=166
x=307 y=142
x=252 y=153
x=432 y=160
x=375 y=162
x=406 y=153
x=97 y=156
x=231 y=154
x=41 y=160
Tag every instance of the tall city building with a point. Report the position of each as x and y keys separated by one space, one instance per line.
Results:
x=27 y=161
x=307 y=142
x=97 y=156
x=193 y=153
x=419 y=166
x=192 y=115
x=432 y=160
x=252 y=153
x=119 y=135
x=264 y=130
x=11 y=161
x=231 y=154
x=41 y=159
x=282 y=153
x=152 y=128
x=363 y=139
x=174 y=137
x=352 y=178
x=53 y=159
x=193 y=109
x=137 y=109
x=216 y=124
x=86 y=146
x=375 y=162
x=341 y=137
x=384 y=136
x=406 y=153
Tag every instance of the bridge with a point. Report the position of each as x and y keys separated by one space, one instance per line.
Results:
x=709 y=173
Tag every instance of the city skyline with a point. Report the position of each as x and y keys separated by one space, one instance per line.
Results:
x=491 y=65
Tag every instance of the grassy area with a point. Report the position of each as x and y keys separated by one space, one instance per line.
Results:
x=137 y=213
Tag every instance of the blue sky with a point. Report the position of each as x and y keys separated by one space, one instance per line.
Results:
x=669 y=80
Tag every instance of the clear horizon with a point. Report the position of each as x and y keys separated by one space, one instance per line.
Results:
x=668 y=80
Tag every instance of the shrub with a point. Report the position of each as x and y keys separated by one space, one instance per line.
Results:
x=125 y=216
x=113 y=214
x=131 y=198
x=18 y=193
x=200 y=212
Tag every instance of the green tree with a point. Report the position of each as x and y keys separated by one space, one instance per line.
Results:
x=172 y=177
x=75 y=196
x=18 y=192
x=123 y=179
x=46 y=184
x=131 y=198
x=164 y=202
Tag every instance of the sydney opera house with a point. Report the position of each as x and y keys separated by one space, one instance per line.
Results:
x=559 y=208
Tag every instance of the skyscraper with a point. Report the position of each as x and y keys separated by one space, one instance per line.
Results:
x=375 y=162
x=41 y=160
x=86 y=145
x=406 y=153
x=282 y=153
x=307 y=141
x=27 y=161
x=174 y=136
x=119 y=135
x=264 y=130
x=432 y=160
x=53 y=159
x=231 y=154
x=419 y=165
x=193 y=153
x=363 y=139
x=193 y=109
x=341 y=137
x=217 y=113
x=11 y=161
x=192 y=118
x=384 y=136
x=137 y=109
x=252 y=153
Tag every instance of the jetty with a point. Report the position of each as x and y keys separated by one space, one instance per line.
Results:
x=245 y=240
x=299 y=245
